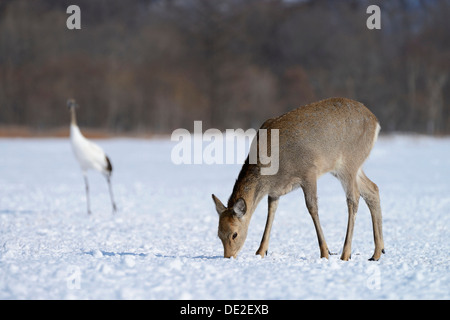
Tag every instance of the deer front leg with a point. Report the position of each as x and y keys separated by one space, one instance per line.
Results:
x=352 y=204
x=310 y=191
x=264 y=246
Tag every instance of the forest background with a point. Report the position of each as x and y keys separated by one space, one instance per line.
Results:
x=151 y=66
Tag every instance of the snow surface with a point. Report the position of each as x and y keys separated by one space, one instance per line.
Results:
x=163 y=244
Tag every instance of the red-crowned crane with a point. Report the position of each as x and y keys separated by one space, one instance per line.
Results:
x=89 y=155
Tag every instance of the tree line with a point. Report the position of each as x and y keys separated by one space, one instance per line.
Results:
x=157 y=65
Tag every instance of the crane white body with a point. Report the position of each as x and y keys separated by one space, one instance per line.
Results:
x=89 y=155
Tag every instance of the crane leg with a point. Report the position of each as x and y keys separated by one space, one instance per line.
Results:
x=87 y=194
x=111 y=194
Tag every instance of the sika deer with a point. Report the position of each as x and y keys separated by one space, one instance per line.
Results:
x=334 y=135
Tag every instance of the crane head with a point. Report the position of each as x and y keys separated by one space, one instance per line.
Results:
x=71 y=104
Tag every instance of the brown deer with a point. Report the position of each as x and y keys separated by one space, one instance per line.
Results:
x=334 y=135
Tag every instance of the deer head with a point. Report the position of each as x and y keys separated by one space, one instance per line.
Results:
x=233 y=226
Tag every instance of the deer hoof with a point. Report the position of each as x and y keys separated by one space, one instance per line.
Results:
x=262 y=253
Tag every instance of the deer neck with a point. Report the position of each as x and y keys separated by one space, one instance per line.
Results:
x=250 y=187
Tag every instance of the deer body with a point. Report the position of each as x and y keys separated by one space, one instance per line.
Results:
x=334 y=135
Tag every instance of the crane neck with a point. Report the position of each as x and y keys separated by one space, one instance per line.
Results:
x=73 y=117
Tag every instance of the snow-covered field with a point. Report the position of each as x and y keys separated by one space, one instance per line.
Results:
x=163 y=244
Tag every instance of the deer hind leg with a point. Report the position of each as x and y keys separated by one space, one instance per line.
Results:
x=264 y=246
x=351 y=190
x=310 y=191
x=369 y=192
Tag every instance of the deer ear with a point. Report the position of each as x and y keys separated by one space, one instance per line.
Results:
x=240 y=208
x=219 y=205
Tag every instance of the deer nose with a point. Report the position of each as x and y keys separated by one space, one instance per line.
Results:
x=229 y=255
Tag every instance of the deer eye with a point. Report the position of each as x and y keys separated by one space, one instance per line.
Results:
x=234 y=235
